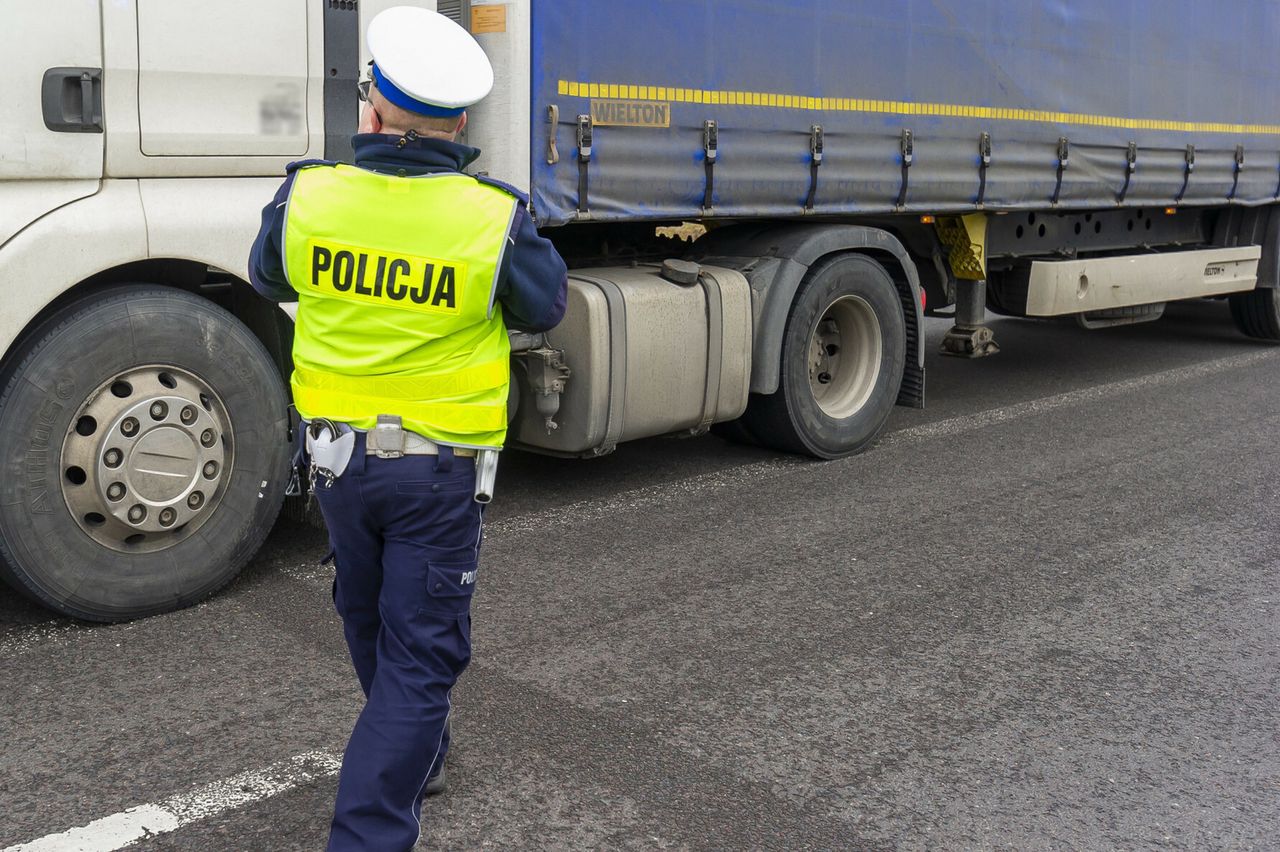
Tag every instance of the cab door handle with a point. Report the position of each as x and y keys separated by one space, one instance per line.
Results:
x=71 y=100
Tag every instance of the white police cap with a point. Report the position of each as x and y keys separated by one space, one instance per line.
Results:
x=425 y=63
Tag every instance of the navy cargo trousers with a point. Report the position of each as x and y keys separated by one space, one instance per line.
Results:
x=406 y=539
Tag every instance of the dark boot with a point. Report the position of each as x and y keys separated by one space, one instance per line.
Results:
x=436 y=783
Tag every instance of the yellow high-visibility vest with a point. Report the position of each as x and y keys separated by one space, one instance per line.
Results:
x=396 y=310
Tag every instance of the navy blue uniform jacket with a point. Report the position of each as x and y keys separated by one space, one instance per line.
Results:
x=531 y=283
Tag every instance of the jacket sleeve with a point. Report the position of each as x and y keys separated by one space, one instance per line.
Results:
x=266 y=260
x=533 y=289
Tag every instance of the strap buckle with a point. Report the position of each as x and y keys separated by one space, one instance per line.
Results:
x=585 y=135
x=386 y=438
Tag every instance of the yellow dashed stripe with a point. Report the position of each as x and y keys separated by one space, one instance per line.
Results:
x=784 y=101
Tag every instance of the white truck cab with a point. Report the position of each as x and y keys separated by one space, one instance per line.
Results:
x=143 y=409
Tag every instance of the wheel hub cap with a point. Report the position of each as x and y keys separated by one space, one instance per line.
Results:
x=844 y=357
x=162 y=465
x=145 y=462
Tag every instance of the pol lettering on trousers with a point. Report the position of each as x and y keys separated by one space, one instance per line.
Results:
x=406 y=281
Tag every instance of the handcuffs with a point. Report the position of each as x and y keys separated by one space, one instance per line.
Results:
x=329 y=450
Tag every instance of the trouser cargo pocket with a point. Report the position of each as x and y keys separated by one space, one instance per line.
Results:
x=450 y=584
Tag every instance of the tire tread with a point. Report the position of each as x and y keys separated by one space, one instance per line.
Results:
x=769 y=417
x=1257 y=313
x=29 y=350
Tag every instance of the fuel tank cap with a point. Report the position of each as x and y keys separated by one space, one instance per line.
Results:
x=683 y=272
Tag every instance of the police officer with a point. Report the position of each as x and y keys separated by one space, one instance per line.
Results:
x=407 y=273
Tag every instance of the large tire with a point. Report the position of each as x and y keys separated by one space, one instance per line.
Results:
x=1257 y=313
x=143 y=454
x=843 y=354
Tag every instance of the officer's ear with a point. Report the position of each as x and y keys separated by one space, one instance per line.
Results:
x=370 y=120
x=462 y=123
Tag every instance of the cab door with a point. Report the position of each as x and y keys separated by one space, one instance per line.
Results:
x=51 y=130
x=222 y=79
x=213 y=89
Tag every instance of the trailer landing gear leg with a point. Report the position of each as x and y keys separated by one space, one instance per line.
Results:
x=969 y=338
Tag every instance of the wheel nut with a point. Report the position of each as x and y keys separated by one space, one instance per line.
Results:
x=196 y=500
x=136 y=514
x=167 y=517
x=129 y=427
x=207 y=438
x=188 y=415
x=159 y=410
x=210 y=470
x=112 y=458
x=115 y=491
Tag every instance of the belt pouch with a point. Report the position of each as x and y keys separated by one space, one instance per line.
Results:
x=330 y=454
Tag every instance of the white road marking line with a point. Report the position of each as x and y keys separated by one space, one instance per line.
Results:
x=145 y=821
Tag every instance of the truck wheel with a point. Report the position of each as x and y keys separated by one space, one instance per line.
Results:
x=843 y=353
x=143 y=451
x=1257 y=313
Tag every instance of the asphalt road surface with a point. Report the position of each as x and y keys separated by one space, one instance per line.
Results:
x=1039 y=614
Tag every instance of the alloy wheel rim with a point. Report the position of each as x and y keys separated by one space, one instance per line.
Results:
x=844 y=357
x=147 y=459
